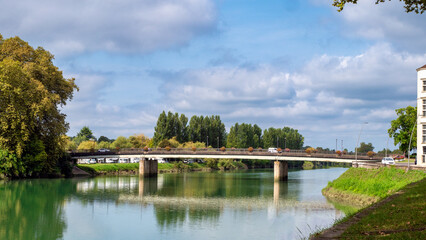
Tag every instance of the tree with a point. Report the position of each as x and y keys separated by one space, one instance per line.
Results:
x=121 y=142
x=170 y=125
x=32 y=90
x=138 y=141
x=104 y=139
x=86 y=133
x=365 y=148
x=402 y=127
x=417 y=6
x=88 y=145
x=283 y=138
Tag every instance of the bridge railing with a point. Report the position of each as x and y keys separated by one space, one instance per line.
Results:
x=227 y=151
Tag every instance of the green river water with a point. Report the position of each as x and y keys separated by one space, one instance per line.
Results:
x=197 y=205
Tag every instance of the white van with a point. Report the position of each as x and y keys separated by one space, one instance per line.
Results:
x=388 y=160
x=272 y=150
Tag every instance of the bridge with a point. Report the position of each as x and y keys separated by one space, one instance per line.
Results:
x=148 y=165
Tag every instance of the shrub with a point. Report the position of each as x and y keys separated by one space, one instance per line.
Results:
x=338 y=152
x=287 y=149
x=250 y=149
x=223 y=149
x=146 y=148
x=371 y=153
x=279 y=150
x=310 y=150
x=167 y=148
x=194 y=149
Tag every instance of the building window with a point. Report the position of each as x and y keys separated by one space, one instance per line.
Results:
x=424 y=85
x=423 y=158
x=424 y=134
x=424 y=108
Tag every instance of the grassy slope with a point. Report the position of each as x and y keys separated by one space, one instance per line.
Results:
x=404 y=217
x=369 y=185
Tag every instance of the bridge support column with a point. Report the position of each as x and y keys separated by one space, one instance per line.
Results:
x=148 y=168
x=280 y=170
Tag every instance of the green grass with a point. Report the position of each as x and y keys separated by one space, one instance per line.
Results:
x=375 y=182
x=404 y=217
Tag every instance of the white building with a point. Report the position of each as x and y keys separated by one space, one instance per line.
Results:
x=421 y=113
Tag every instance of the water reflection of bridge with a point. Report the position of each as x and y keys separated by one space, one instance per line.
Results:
x=149 y=165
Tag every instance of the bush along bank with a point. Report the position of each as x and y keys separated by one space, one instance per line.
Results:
x=361 y=187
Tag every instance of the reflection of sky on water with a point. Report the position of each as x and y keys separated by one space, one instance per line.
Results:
x=133 y=208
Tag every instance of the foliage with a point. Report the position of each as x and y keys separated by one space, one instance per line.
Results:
x=338 y=152
x=192 y=145
x=121 y=142
x=164 y=143
x=223 y=149
x=10 y=165
x=282 y=137
x=173 y=142
x=104 y=144
x=211 y=163
x=68 y=144
x=307 y=165
x=250 y=149
x=365 y=148
x=138 y=141
x=86 y=133
x=170 y=125
x=167 y=148
x=32 y=92
x=417 y=6
x=203 y=129
x=402 y=127
x=229 y=164
x=145 y=148
x=104 y=139
x=371 y=153
x=244 y=136
x=88 y=145
x=194 y=149
x=310 y=150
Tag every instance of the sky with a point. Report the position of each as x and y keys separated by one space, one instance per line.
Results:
x=272 y=63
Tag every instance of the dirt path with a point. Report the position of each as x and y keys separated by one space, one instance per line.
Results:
x=337 y=230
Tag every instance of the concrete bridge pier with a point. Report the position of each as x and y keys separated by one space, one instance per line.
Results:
x=148 y=168
x=280 y=170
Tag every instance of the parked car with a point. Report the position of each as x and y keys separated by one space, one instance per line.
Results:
x=103 y=150
x=272 y=150
x=398 y=157
x=388 y=160
x=92 y=161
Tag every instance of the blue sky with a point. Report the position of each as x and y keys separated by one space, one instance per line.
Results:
x=275 y=63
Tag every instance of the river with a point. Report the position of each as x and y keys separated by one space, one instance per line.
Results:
x=196 y=205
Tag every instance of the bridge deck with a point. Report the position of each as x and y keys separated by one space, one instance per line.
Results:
x=262 y=155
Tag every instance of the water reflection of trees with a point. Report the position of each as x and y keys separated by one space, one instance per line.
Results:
x=33 y=209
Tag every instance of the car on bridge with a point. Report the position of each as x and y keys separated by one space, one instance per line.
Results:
x=388 y=160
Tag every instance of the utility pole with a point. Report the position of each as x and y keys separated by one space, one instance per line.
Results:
x=335 y=150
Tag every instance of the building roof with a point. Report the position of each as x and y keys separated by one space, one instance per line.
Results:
x=421 y=68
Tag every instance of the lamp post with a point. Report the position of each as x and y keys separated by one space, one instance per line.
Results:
x=277 y=141
x=285 y=143
x=357 y=142
x=207 y=142
x=218 y=145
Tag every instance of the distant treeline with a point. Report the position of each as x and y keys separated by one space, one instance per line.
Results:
x=211 y=131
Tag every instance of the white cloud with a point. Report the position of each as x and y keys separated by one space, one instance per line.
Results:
x=117 y=26
x=329 y=94
x=386 y=21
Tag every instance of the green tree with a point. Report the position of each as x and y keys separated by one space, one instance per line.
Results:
x=88 y=145
x=104 y=144
x=417 y=6
x=121 y=142
x=365 y=147
x=283 y=138
x=86 y=133
x=104 y=139
x=170 y=125
x=244 y=135
x=402 y=127
x=32 y=90
x=138 y=141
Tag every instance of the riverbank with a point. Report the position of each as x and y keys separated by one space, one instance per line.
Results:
x=362 y=187
x=399 y=216
x=399 y=207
